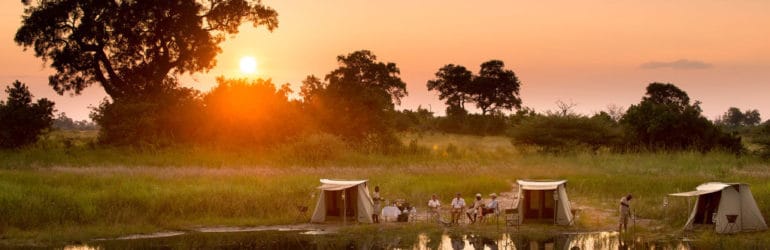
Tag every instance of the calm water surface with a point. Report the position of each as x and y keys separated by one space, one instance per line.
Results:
x=319 y=240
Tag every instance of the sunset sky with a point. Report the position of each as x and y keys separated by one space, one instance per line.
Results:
x=591 y=53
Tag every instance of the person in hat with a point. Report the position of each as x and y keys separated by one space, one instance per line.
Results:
x=625 y=212
x=490 y=207
x=458 y=203
x=473 y=210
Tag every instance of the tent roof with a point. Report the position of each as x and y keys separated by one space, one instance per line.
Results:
x=540 y=185
x=335 y=185
x=706 y=188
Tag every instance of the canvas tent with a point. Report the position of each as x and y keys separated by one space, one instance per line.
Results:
x=355 y=205
x=544 y=201
x=730 y=207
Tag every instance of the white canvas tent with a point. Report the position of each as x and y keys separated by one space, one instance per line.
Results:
x=544 y=201
x=729 y=206
x=355 y=205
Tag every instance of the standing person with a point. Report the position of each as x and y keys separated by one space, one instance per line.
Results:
x=625 y=212
x=377 y=205
x=458 y=203
x=473 y=211
x=433 y=207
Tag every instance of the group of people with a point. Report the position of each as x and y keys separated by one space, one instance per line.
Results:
x=392 y=211
x=475 y=212
x=478 y=210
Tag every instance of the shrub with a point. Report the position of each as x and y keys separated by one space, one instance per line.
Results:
x=555 y=133
x=21 y=121
x=172 y=116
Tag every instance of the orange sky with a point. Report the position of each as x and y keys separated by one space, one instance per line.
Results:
x=592 y=53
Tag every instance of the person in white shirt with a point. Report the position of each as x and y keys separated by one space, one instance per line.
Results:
x=491 y=207
x=458 y=204
x=390 y=212
x=433 y=207
x=625 y=212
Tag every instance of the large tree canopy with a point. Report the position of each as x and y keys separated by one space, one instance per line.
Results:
x=453 y=83
x=132 y=47
x=358 y=98
x=665 y=119
x=494 y=88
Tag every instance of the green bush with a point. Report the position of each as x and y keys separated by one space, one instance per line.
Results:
x=21 y=121
x=555 y=133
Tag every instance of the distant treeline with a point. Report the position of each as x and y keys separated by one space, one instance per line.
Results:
x=353 y=104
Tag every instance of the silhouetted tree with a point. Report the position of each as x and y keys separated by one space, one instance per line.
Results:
x=495 y=88
x=733 y=117
x=311 y=87
x=132 y=47
x=358 y=99
x=63 y=122
x=751 y=117
x=21 y=121
x=665 y=119
x=453 y=82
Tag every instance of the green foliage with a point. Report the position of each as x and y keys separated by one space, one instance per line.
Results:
x=407 y=120
x=132 y=47
x=735 y=119
x=358 y=101
x=473 y=124
x=21 y=121
x=762 y=138
x=665 y=119
x=169 y=117
x=556 y=133
x=65 y=123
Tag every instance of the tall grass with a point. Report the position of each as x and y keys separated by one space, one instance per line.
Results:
x=45 y=190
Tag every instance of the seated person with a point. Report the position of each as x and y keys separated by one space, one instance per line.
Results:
x=473 y=210
x=391 y=212
x=491 y=207
x=458 y=204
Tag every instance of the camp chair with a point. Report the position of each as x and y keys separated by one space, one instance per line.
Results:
x=512 y=215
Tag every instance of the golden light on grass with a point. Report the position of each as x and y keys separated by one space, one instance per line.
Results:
x=248 y=65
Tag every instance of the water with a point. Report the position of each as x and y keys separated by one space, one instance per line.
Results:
x=324 y=240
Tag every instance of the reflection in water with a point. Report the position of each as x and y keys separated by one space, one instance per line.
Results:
x=423 y=241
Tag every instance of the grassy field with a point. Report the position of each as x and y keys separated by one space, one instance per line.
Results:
x=55 y=192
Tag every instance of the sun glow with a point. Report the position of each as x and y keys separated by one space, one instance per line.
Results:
x=248 y=65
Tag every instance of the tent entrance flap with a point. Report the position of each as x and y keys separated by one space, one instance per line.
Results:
x=336 y=205
x=539 y=204
x=708 y=205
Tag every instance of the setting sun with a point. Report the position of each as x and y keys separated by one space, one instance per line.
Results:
x=248 y=65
